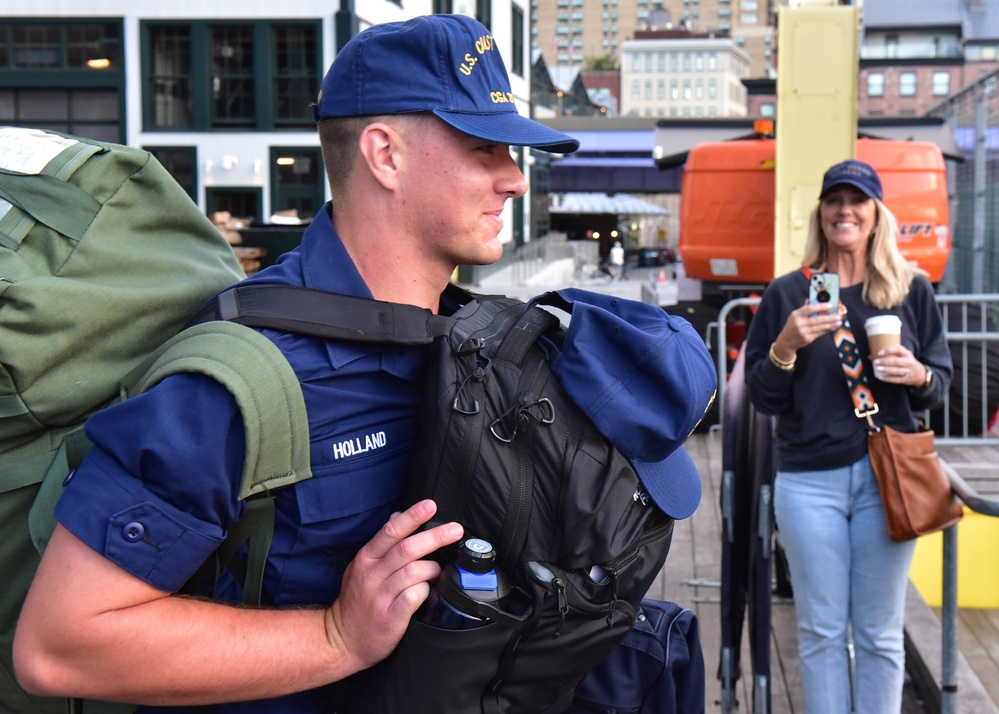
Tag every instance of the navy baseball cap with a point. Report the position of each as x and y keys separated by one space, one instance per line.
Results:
x=445 y=64
x=855 y=173
x=645 y=379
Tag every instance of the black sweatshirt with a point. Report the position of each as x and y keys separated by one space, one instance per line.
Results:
x=816 y=425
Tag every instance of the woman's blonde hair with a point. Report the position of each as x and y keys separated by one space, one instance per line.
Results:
x=888 y=275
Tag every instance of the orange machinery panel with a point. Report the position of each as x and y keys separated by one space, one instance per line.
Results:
x=727 y=206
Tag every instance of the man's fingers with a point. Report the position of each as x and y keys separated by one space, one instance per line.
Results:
x=400 y=534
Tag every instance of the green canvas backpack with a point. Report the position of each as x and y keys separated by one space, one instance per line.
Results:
x=103 y=259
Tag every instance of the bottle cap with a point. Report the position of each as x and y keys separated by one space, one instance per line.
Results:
x=476 y=556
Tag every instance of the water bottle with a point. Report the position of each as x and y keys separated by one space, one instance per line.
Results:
x=470 y=592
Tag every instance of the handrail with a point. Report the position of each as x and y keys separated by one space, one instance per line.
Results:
x=948 y=605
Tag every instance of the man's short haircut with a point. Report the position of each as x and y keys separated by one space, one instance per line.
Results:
x=339 y=137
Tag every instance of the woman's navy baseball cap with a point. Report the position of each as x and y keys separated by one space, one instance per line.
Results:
x=855 y=173
x=445 y=64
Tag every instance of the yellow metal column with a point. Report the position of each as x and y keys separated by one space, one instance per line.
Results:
x=817 y=74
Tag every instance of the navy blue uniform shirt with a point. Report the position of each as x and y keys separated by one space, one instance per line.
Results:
x=158 y=491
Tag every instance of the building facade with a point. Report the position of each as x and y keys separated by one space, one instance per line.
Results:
x=219 y=92
x=683 y=77
x=568 y=31
x=914 y=55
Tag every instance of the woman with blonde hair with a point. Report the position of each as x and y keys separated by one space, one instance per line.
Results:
x=849 y=578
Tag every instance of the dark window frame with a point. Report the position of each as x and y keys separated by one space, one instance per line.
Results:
x=260 y=84
x=190 y=153
x=255 y=193
x=313 y=193
x=66 y=76
x=517 y=40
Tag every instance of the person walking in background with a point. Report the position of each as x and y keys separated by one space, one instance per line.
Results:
x=415 y=122
x=848 y=576
x=617 y=260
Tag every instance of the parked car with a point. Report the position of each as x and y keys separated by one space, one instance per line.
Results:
x=654 y=257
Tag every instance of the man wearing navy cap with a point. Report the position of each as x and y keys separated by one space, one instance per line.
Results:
x=416 y=120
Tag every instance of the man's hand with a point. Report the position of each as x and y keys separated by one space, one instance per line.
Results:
x=385 y=584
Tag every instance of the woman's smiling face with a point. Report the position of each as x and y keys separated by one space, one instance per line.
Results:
x=847 y=216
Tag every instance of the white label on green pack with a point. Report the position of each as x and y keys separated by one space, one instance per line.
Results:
x=29 y=150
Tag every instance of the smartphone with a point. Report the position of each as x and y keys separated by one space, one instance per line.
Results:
x=823 y=289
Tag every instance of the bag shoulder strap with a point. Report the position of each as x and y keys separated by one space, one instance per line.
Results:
x=864 y=406
x=273 y=409
x=324 y=314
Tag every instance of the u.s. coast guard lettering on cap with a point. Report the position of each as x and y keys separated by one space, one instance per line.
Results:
x=482 y=45
x=359 y=445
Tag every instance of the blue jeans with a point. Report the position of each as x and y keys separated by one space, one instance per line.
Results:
x=849 y=578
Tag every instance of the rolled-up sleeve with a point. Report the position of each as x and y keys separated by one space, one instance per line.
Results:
x=157 y=491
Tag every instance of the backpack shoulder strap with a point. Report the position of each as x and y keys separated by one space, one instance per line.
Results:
x=273 y=409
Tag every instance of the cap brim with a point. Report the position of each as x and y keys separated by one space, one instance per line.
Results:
x=849 y=182
x=673 y=483
x=510 y=128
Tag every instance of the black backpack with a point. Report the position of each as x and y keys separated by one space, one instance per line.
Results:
x=505 y=451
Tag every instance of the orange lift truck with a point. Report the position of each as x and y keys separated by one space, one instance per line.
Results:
x=726 y=236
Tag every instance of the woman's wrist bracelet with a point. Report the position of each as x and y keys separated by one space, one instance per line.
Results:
x=778 y=362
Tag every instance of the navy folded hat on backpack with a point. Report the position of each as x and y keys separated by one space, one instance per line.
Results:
x=645 y=379
x=445 y=64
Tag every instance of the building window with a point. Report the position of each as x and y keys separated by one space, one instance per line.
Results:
x=239 y=201
x=767 y=109
x=674 y=89
x=699 y=89
x=686 y=62
x=661 y=89
x=686 y=89
x=636 y=90
x=876 y=84
x=63 y=76
x=233 y=86
x=661 y=61
x=445 y=7
x=941 y=84
x=181 y=163
x=636 y=62
x=712 y=61
x=674 y=62
x=907 y=84
x=296 y=180
x=748 y=18
x=517 y=40
x=712 y=89
x=202 y=76
x=294 y=73
x=648 y=89
x=699 y=62
x=484 y=12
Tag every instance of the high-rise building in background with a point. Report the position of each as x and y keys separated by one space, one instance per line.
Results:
x=572 y=32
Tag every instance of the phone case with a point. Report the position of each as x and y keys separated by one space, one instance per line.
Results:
x=823 y=288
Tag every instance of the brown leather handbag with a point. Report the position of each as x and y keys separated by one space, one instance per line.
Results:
x=915 y=492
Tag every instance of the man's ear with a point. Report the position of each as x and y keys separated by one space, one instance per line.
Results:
x=379 y=146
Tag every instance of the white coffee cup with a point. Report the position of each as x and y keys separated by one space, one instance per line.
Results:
x=882 y=331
